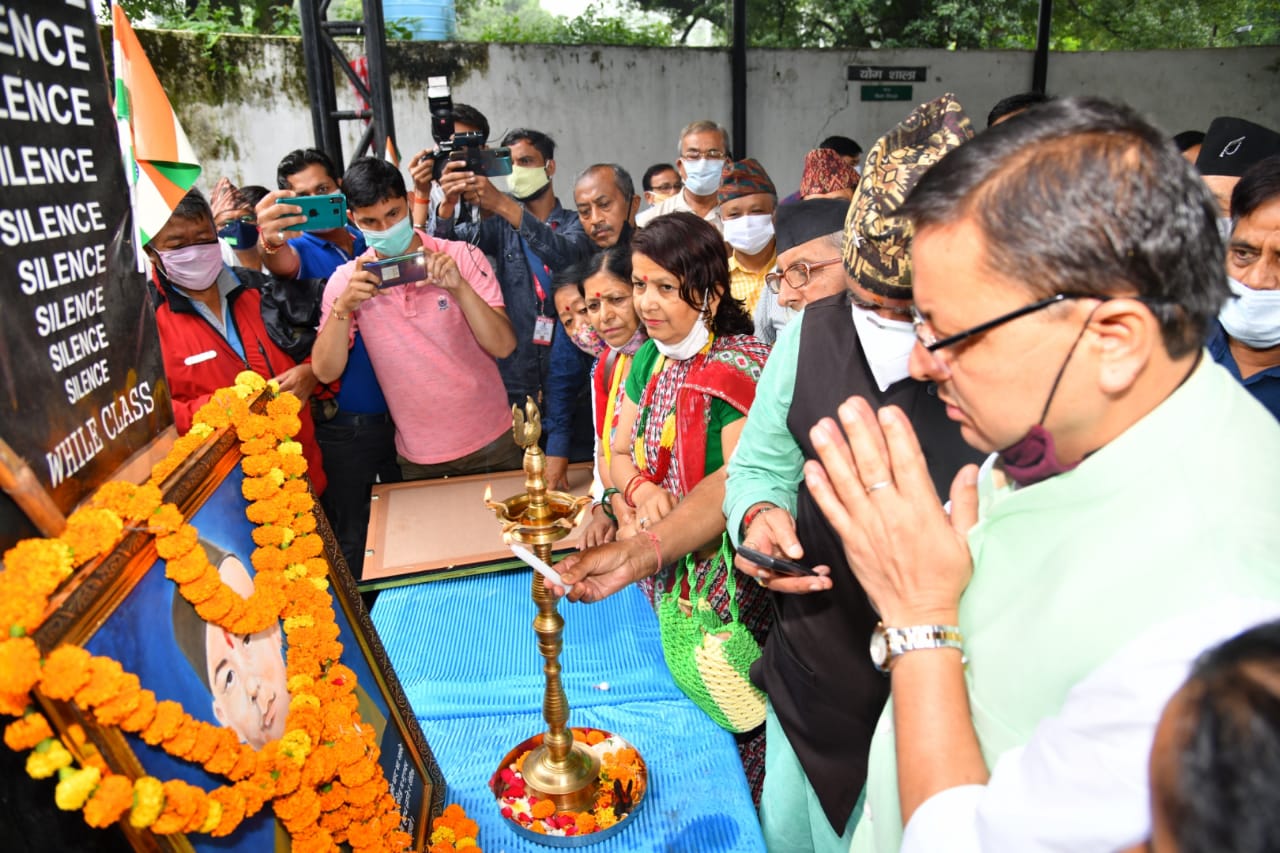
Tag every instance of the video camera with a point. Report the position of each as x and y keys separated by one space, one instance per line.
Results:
x=490 y=162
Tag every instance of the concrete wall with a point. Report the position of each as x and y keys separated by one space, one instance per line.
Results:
x=244 y=103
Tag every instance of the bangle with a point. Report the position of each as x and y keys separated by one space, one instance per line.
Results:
x=753 y=514
x=657 y=545
x=340 y=315
x=608 y=507
x=417 y=199
x=628 y=493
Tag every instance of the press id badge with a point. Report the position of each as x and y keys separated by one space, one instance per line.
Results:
x=543 y=328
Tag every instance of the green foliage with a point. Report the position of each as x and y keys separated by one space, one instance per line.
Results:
x=214 y=17
x=525 y=21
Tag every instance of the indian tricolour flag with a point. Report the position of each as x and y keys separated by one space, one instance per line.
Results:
x=158 y=159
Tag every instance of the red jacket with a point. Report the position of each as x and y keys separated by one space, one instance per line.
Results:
x=198 y=360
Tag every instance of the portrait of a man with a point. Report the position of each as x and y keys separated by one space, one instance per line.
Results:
x=244 y=673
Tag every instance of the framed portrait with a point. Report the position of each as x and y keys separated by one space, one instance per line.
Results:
x=127 y=609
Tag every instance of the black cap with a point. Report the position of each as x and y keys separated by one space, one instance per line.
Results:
x=1232 y=145
x=808 y=220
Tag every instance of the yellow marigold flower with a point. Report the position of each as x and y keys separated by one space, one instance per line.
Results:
x=296 y=745
x=48 y=758
x=442 y=835
x=45 y=563
x=299 y=684
x=290 y=448
x=304 y=700
x=212 y=818
x=148 y=802
x=250 y=380
x=201 y=430
x=464 y=843
x=294 y=622
x=295 y=571
x=75 y=787
x=605 y=818
x=319 y=583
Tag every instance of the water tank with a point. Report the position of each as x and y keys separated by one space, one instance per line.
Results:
x=429 y=20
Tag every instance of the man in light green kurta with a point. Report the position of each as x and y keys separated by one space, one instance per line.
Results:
x=1066 y=269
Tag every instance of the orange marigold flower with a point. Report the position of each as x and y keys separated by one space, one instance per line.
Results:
x=90 y=532
x=19 y=665
x=207 y=742
x=284 y=404
x=27 y=732
x=225 y=752
x=189 y=567
x=178 y=543
x=218 y=606
x=297 y=487
x=142 y=715
x=233 y=804
x=585 y=821
x=166 y=519
x=268 y=560
x=13 y=704
x=594 y=737
x=258 y=446
x=246 y=763
x=543 y=808
x=105 y=677
x=201 y=589
x=294 y=466
x=169 y=715
x=112 y=798
x=180 y=804
x=125 y=701
x=183 y=740
x=66 y=670
x=43 y=563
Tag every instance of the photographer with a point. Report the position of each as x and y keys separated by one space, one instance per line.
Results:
x=529 y=236
x=462 y=119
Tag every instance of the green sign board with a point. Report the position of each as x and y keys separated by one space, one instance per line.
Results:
x=886 y=93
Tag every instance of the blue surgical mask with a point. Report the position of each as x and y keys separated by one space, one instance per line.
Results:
x=393 y=241
x=702 y=177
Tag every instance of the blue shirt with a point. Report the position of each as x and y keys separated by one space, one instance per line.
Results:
x=558 y=242
x=320 y=257
x=570 y=372
x=1264 y=385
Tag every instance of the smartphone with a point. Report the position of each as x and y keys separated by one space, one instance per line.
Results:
x=399 y=270
x=490 y=162
x=323 y=212
x=775 y=564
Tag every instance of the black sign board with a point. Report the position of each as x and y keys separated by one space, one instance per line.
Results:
x=886 y=93
x=80 y=372
x=888 y=74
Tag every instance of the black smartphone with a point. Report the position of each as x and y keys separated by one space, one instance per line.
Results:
x=401 y=269
x=323 y=212
x=775 y=564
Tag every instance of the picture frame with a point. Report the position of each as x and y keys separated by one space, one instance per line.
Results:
x=123 y=606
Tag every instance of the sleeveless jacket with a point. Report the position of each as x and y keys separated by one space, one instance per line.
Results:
x=816 y=666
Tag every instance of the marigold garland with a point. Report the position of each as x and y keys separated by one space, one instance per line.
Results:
x=321 y=778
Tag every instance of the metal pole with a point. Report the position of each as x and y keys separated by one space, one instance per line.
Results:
x=375 y=49
x=319 y=79
x=738 y=73
x=1040 y=67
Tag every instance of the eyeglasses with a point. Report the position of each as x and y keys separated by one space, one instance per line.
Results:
x=666 y=188
x=932 y=343
x=695 y=154
x=797 y=275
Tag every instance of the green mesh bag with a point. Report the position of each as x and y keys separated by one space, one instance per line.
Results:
x=709 y=660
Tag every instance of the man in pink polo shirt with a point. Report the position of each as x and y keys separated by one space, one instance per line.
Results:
x=433 y=343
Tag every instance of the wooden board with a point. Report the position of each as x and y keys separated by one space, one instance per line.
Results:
x=431 y=529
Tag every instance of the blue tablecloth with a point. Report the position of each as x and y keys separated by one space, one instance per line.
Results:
x=465 y=651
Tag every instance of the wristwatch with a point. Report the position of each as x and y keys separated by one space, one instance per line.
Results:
x=889 y=643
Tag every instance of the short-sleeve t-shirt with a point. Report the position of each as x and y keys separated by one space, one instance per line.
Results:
x=443 y=389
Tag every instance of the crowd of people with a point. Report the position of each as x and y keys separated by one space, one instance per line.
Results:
x=1000 y=404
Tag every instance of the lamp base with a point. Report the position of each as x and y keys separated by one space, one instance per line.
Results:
x=570 y=784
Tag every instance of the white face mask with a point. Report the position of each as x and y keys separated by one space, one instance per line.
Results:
x=1251 y=316
x=887 y=345
x=749 y=234
x=690 y=346
x=702 y=177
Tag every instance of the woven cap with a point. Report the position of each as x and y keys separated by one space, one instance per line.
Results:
x=875 y=237
x=1232 y=145
x=826 y=171
x=744 y=177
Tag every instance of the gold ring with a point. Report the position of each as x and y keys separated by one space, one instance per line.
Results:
x=875 y=487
